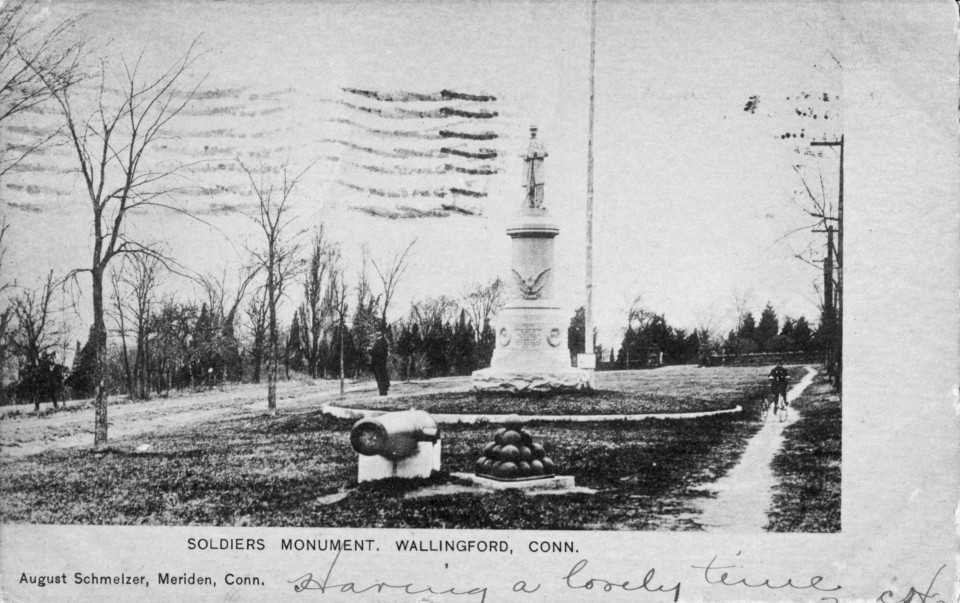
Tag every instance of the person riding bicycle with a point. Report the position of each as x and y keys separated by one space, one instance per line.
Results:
x=779 y=377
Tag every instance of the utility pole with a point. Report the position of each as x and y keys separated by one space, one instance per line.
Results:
x=588 y=305
x=829 y=324
x=839 y=327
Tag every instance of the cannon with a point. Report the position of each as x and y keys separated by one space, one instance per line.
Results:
x=397 y=444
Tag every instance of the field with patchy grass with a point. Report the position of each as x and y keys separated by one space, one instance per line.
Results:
x=242 y=467
x=280 y=471
x=675 y=389
x=808 y=466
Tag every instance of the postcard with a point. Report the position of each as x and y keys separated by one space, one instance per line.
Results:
x=485 y=301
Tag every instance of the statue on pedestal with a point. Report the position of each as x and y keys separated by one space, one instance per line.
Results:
x=531 y=353
x=533 y=172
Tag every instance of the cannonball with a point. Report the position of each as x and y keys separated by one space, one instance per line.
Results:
x=495 y=468
x=525 y=438
x=488 y=465
x=510 y=453
x=488 y=448
x=498 y=437
x=548 y=466
x=511 y=438
x=526 y=454
x=513 y=421
x=507 y=470
x=536 y=467
x=538 y=451
x=524 y=469
x=495 y=452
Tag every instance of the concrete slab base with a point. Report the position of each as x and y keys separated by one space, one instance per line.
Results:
x=424 y=462
x=557 y=482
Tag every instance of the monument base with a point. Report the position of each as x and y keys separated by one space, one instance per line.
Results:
x=421 y=464
x=519 y=382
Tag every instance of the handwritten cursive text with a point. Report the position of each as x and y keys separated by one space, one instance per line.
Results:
x=713 y=575
x=307 y=582
x=574 y=582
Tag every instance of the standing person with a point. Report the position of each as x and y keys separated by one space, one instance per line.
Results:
x=378 y=363
x=779 y=377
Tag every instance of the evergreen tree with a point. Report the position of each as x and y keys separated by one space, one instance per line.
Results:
x=80 y=379
x=802 y=335
x=295 y=352
x=768 y=328
x=575 y=333
x=488 y=342
x=746 y=338
x=464 y=347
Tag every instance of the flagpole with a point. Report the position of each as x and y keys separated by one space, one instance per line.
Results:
x=588 y=305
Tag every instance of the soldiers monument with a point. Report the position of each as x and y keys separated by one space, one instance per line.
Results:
x=531 y=352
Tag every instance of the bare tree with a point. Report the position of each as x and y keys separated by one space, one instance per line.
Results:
x=279 y=258
x=120 y=301
x=35 y=64
x=257 y=324
x=224 y=302
x=134 y=283
x=315 y=310
x=390 y=273
x=37 y=333
x=143 y=280
x=638 y=318
x=223 y=299
x=6 y=308
x=337 y=296
x=483 y=301
x=112 y=144
x=742 y=298
x=365 y=316
x=432 y=311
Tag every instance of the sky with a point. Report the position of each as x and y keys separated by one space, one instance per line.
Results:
x=693 y=197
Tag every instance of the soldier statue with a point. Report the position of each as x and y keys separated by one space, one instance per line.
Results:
x=533 y=172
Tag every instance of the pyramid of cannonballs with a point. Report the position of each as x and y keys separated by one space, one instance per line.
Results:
x=513 y=455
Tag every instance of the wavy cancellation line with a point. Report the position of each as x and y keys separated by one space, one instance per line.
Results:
x=401 y=153
x=402 y=96
x=482 y=154
x=405 y=212
x=398 y=170
x=401 y=113
x=404 y=193
x=428 y=134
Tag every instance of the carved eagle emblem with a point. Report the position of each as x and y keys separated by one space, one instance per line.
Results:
x=531 y=287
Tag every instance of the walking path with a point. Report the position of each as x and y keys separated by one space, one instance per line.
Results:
x=28 y=434
x=744 y=495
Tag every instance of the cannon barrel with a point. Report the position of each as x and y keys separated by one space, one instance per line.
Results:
x=394 y=435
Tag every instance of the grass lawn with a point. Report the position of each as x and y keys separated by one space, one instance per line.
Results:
x=286 y=471
x=808 y=465
x=675 y=389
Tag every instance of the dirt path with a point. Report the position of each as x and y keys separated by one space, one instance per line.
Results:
x=744 y=495
x=27 y=433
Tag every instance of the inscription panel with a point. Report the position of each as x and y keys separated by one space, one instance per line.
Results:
x=529 y=335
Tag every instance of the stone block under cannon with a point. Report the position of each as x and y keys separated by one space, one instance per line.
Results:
x=398 y=444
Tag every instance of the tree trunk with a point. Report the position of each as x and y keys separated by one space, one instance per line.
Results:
x=341 y=357
x=145 y=365
x=272 y=344
x=126 y=361
x=272 y=385
x=99 y=360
